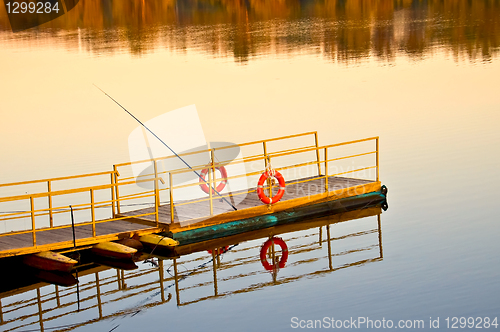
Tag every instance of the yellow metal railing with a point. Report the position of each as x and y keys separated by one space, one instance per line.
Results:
x=264 y=157
x=122 y=190
x=50 y=183
x=92 y=205
x=212 y=164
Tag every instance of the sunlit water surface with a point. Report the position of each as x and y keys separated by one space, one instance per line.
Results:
x=436 y=110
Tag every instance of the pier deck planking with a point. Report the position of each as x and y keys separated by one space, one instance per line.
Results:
x=201 y=210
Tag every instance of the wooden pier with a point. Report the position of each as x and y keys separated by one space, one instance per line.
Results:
x=110 y=294
x=121 y=205
x=200 y=211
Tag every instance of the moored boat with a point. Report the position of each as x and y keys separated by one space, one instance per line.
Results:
x=49 y=261
x=59 y=278
x=132 y=243
x=113 y=250
x=153 y=241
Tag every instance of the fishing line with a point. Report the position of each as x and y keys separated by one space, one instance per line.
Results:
x=158 y=138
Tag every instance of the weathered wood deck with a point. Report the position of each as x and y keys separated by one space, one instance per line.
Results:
x=199 y=211
x=59 y=238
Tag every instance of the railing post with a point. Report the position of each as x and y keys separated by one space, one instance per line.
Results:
x=156 y=183
x=211 y=176
x=267 y=161
x=171 y=198
x=326 y=169
x=377 y=160
x=265 y=153
x=113 y=185
x=157 y=205
x=116 y=190
x=32 y=205
x=317 y=152
x=269 y=180
x=51 y=219
x=92 y=211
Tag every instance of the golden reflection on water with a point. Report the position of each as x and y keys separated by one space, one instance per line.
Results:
x=343 y=31
x=109 y=296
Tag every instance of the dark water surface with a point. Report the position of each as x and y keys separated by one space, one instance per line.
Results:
x=422 y=75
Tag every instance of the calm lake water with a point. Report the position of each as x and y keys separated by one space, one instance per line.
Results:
x=422 y=75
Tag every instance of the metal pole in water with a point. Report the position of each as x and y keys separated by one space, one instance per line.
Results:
x=74 y=246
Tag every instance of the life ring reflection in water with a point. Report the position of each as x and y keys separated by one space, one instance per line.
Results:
x=263 y=253
x=219 y=251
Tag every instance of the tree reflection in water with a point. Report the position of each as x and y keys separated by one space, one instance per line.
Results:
x=341 y=31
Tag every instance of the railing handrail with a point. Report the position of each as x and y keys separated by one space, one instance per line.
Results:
x=217 y=148
x=57 y=179
x=72 y=191
x=272 y=155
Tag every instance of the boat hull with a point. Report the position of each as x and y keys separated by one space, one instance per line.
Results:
x=50 y=261
x=113 y=250
x=154 y=241
x=318 y=209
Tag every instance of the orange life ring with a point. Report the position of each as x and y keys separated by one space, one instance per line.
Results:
x=219 y=251
x=220 y=187
x=263 y=253
x=260 y=188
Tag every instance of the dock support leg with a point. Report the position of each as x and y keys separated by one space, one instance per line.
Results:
x=58 y=299
x=171 y=199
x=215 y=272
x=176 y=277
x=160 y=270
x=98 y=288
x=380 y=236
x=33 y=227
x=329 y=247
x=326 y=170
x=40 y=311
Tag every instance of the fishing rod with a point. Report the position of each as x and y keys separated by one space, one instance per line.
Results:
x=142 y=124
